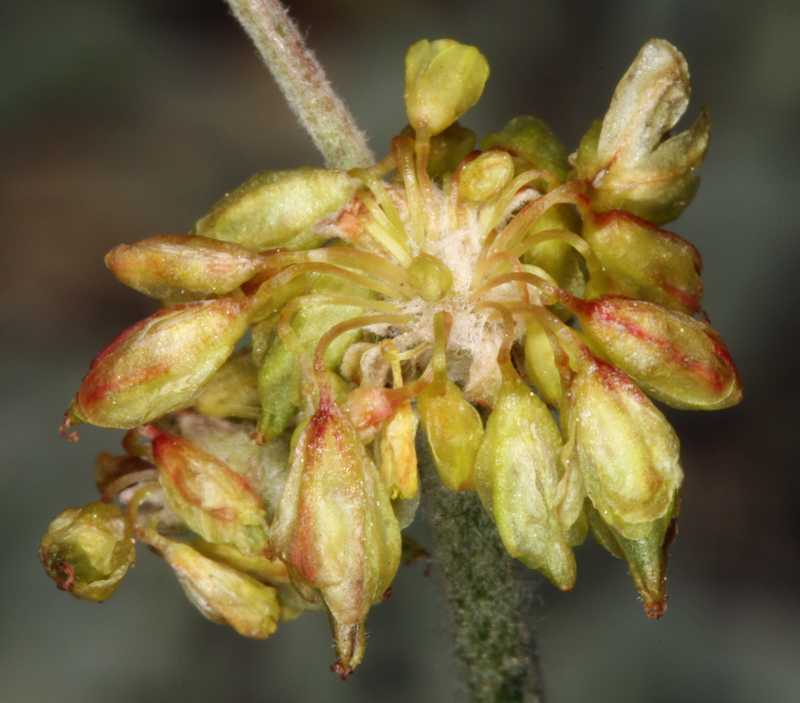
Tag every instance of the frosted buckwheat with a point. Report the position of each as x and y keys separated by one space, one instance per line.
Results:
x=513 y=304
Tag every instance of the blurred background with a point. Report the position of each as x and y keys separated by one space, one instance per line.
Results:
x=126 y=119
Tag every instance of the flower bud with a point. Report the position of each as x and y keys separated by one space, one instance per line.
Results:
x=399 y=454
x=484 y=177
x=516 y=473
x=212 y=499
x=179 y=268
x=335 y=529
x=223 y=594
x=430 y=277
x=627 y=451
x=370 y=407
x=263 y=466
x=232 y=391
x=160 y=364
x=454 y=431
x=673 y=357
x=643 y=261
x=277 y=208
x=530 y=139
x=271 y=572
x=540 y=364
x=88 y=550
x=627 y=160
x=444 y=79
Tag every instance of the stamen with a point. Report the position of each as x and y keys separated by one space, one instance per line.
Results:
x=509 y=329
x=379 y=192
x=546 y=286
x=371 y=264
x=383 y=232
x=525 y=218
x=363 y=321
x=401 y=150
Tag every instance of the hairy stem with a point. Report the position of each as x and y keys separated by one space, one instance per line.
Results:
x=490 y=596
x=302 y=80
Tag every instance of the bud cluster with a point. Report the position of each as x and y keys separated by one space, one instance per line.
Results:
x=515 y=305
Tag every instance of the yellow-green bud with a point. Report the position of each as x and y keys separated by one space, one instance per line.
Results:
x=642 y=261
x=232 y=391
x=627 y=451
x=627 y=161
x=448 y=149
x=485 y=176
x=179 y=268
x=223 y=594
x=88 y=550
x=530 y=139
x=516 y=472
x=268 y=571
x=277 y=208
x=160 y=364
x=430 y=277
x=444 y=79
x=454 y=431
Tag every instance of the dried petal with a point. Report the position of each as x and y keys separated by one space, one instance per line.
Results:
x=399 y=454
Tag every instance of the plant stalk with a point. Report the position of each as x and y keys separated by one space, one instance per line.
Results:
x=321 y=112
x=490 y=595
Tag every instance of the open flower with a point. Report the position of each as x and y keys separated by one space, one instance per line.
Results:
x=513 y=310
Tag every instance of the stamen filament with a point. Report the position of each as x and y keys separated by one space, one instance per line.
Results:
x=363 y=321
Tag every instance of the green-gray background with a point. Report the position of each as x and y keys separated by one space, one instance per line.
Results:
x=122 y=119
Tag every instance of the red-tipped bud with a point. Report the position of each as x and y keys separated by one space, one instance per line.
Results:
x=675 y=358
x=335 y=528
x=211 y=498
x=160 y=364
x=627 y=451
x=643 y=261
x=180 y=267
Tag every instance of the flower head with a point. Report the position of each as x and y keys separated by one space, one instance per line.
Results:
x=514 y=310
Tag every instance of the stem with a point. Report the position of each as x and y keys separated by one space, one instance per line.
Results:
x=302 y=80
x=490 y=595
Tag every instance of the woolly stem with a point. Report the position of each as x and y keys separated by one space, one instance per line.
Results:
x=302 y=80
x=490 y=596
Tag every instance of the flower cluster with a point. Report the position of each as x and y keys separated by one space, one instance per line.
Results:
x=517 y=306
